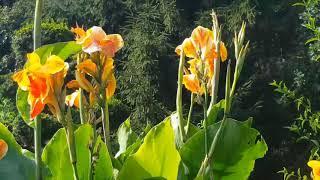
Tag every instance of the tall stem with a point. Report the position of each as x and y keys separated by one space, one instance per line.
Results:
x=105 y=124
x=37 y=146
x=37 y=128
x=72 y=146
x=190 y=113
x=215 y=83
x=81 y=105
x=179 y=95
x=207 y=160
x=205 y=120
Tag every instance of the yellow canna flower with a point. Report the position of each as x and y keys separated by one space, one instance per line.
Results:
x=43 y=81
x=96 y=40
x=315 y=165
x=201 y=50
x=3 y=148
x=192 y=83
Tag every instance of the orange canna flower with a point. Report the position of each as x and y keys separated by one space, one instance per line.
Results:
x=96 y=40
x=3 y=148
x=41 y=80
x=315 y=165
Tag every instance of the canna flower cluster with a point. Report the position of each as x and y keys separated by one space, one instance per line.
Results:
x=201 y=51
x=44 y=82
x=98 y=64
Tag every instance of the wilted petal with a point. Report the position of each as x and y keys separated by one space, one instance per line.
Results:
x=83 y=82
x=107 y=69
x=88 y=67
x=73 y=84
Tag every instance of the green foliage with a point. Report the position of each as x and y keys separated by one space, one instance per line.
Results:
x=56 y=155
x=156 y=157
x=292 y=175
x=51 y=32
x=15 y=165
x=147 y=34
x=237 y=149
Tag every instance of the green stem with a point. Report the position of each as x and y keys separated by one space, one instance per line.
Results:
x=179 y=95
x=37 y=128
x=205 y=120
x=190 y=113
x=72 y=148
x=105 y=124
x=37 y=147
x=207 y=160
x=81 y=105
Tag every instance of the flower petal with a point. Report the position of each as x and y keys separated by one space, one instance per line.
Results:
x=200 y=37
x=36 y=106
x=22 y=79
x=111 y=44
x=223 y=52
x=83 y=82
x=73 y=84
x=107 y=69
x=192 y=83
x=73 y=99
x=53 y=65
x=111 y=86
x=3 y=148
x=189 y=49
x=88 y=67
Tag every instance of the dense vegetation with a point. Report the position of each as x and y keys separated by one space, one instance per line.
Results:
x=147 y=66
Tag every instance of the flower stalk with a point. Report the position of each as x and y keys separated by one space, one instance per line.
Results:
x=189 y=114
x=105 y=123
x=81 y=97
x=71 y=143
x=208 y=158
x=37 y=128
x=179 y=95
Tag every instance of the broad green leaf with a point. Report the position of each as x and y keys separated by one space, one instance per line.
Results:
x=15 y=165
x=61 y=49
x=126 y=137
x=56 y=154
x=157 y=156
x=103 y=166
x=234 y=158
x=23 y=106
x=215 y=112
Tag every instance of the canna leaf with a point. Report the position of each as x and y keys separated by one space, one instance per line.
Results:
x=234 y=158
x=156 y=158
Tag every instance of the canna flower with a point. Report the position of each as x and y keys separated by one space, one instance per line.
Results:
x=315 y=165
x=3 y=148
x=201 y=50
x=42 y=81
x=104 y=80
x=96 y=40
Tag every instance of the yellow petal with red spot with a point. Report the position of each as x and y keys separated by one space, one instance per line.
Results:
x=107 y=69
x=38 y=86
x=111 y=44
x=53 y=65
x=200 y=37
x=3 y=148
x=73 y=99
x=22 y=79
x=88 y=67
x=192 y=83
x=111 y=86
x=223 y=52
